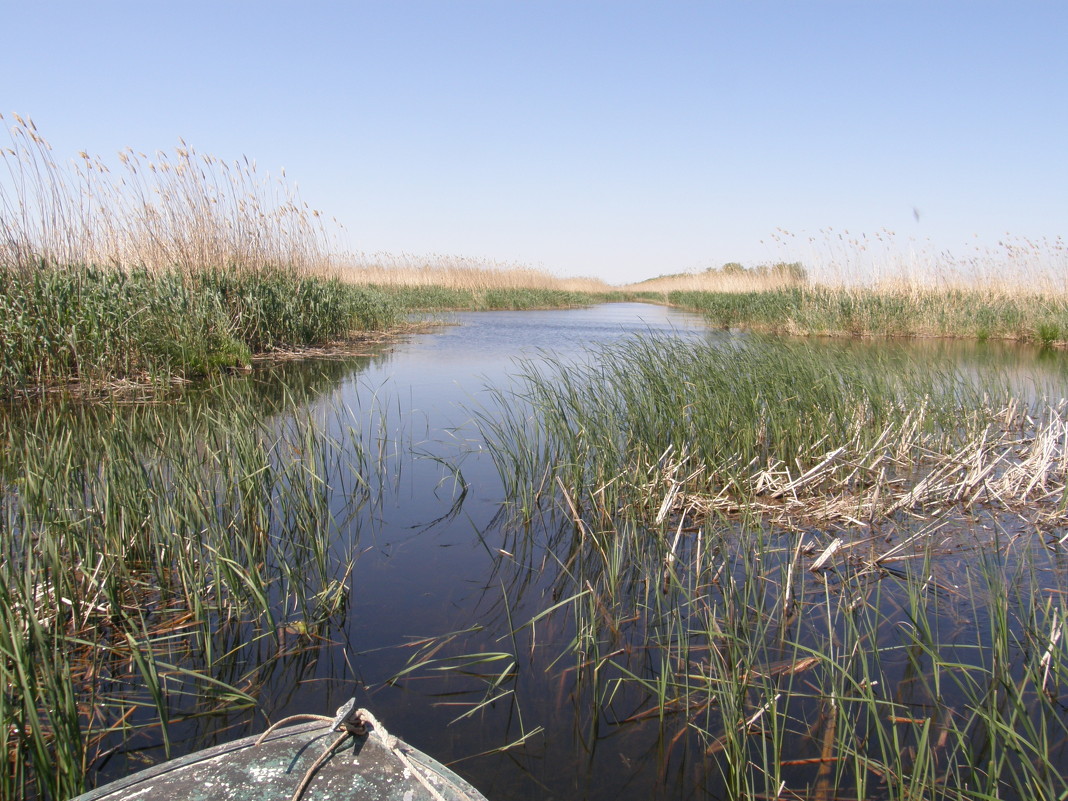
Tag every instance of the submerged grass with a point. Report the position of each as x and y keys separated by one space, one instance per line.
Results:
x=822 y=578
x=159 y=563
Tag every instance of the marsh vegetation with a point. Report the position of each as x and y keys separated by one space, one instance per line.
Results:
x=827 y=577
x=161 y=563
x=667 y=565
x=893 y=311
x=882 y=286
x=180 y=265
x=673 y=564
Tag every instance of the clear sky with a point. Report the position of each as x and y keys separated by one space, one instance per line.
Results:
x=616 y=139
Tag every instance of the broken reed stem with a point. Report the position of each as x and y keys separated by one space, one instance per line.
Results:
x=998 y=469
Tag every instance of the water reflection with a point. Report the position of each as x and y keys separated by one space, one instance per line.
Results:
x=1029 y=371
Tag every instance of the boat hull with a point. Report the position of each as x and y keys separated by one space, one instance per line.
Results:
x=363 y=767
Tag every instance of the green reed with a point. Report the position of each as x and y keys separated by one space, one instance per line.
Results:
x=941 y=675
x=152 y=269
x=157 y=562
x=663 y=415
x=1039 y=317
x=88 y=325
x=431 y=297
x=912 y=649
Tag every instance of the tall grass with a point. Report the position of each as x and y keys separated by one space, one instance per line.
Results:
x=889 y=259
x=735 y=420
x=172 y=210
x=97 y=326
x=731 y=280
x=451 y=283
x=447 y=298
x=885 y=285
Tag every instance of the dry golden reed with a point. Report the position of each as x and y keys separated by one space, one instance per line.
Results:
x=713 y=281
x=193 y=211
x=888 y=261
x=181 y=209
x=453 y=272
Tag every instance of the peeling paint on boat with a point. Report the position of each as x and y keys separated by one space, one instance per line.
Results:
x=363 y=768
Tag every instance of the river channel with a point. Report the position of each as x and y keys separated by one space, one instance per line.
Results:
x=436 y=561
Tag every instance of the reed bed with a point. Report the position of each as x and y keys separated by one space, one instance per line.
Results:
x=742 y=419
x=889 y=259
x=168 y=267
x=80 y=327
x=733 y=278
x=181 y=264
x=889 y=311
x=181 y=209
x=160 y=563
x=455 y=273
x=820 y=577
x=451 y=283
x=884 y=286
x=444 y=298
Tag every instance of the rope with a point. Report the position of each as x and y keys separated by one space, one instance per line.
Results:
x=353 y=724
x=284 y=721
x=392 y=744
x=310 y=774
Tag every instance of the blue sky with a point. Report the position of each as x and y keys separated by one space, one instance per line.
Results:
x=616 y=139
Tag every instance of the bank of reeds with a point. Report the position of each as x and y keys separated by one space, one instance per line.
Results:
x=891 y=311
x=446 y=298
x=455 y=273
x=180 y=209
x=160 y=564
x=732 y=278
x=452 y=283
x=823 y=577
x=172 y=266
x=89 y=326
x=738 y=419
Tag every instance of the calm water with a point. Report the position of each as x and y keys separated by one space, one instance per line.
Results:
x=434 y=558
x=426 y=578
x=430 y=563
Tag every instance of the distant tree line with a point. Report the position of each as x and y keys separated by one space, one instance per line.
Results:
x=791 y=272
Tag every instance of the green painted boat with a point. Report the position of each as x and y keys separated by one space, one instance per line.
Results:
x=350 y=756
